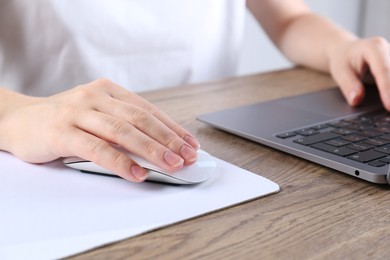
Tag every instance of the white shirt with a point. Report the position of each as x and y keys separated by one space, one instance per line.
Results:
x=48 y=46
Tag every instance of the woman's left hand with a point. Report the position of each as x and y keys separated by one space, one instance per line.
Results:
x=350 y=61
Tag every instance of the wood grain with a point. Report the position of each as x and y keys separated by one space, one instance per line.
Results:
x=319 y=213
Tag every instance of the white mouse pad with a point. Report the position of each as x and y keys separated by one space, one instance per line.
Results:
x=50 y=211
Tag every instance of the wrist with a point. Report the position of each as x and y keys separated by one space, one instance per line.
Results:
x=10 y=100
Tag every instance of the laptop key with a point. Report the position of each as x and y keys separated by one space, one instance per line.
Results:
x=386 y=137
x=370 y=133
x=312 y=139
x=360 y=147
x=360 y=127
x=366 y=156
x=340 y=124
x=384 y=118
x=320 y=126
x=383 y=149
x=358 y=120
x=309 y=132
x=385 y=159
x=353 y=138
x=286 y=135
x=382 y=129
x=342 y=151
x=376 y=142
x=337 y=142
x=377 y=163
x=344 y=131
x=303 y=130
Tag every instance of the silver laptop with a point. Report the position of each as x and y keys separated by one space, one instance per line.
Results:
x=319 y=127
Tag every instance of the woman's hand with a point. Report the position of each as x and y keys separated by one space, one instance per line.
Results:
x=313 y=41
x=350 y=61
x=87 y=121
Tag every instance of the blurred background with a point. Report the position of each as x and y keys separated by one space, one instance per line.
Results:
x=363 y=17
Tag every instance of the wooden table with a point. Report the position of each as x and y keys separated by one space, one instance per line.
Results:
x=318 y=214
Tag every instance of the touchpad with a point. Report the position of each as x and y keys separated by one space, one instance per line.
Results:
x=329 y=103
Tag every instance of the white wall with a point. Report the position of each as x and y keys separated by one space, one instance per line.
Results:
x=259 y=54
x=376 y=18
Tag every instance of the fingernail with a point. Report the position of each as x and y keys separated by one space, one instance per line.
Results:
x=139 y=172
x=173 y=159
x=387 y=97
x=192 y=141
x=188 y=153
x=353 y=95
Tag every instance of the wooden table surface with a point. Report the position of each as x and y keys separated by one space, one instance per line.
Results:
x=318 y=214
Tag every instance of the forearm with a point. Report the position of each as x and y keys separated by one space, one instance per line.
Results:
x=304 y=37
x=309 y=40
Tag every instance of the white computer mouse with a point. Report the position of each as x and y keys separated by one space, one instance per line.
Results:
x=198 y=172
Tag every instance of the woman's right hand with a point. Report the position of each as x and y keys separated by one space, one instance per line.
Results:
x=86 y=121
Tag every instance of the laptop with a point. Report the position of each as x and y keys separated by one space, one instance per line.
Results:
x=320 y=127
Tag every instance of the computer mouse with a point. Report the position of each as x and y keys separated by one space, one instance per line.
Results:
x=198 y=172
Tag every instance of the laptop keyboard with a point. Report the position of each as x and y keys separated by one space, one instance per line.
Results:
x=365 y=138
